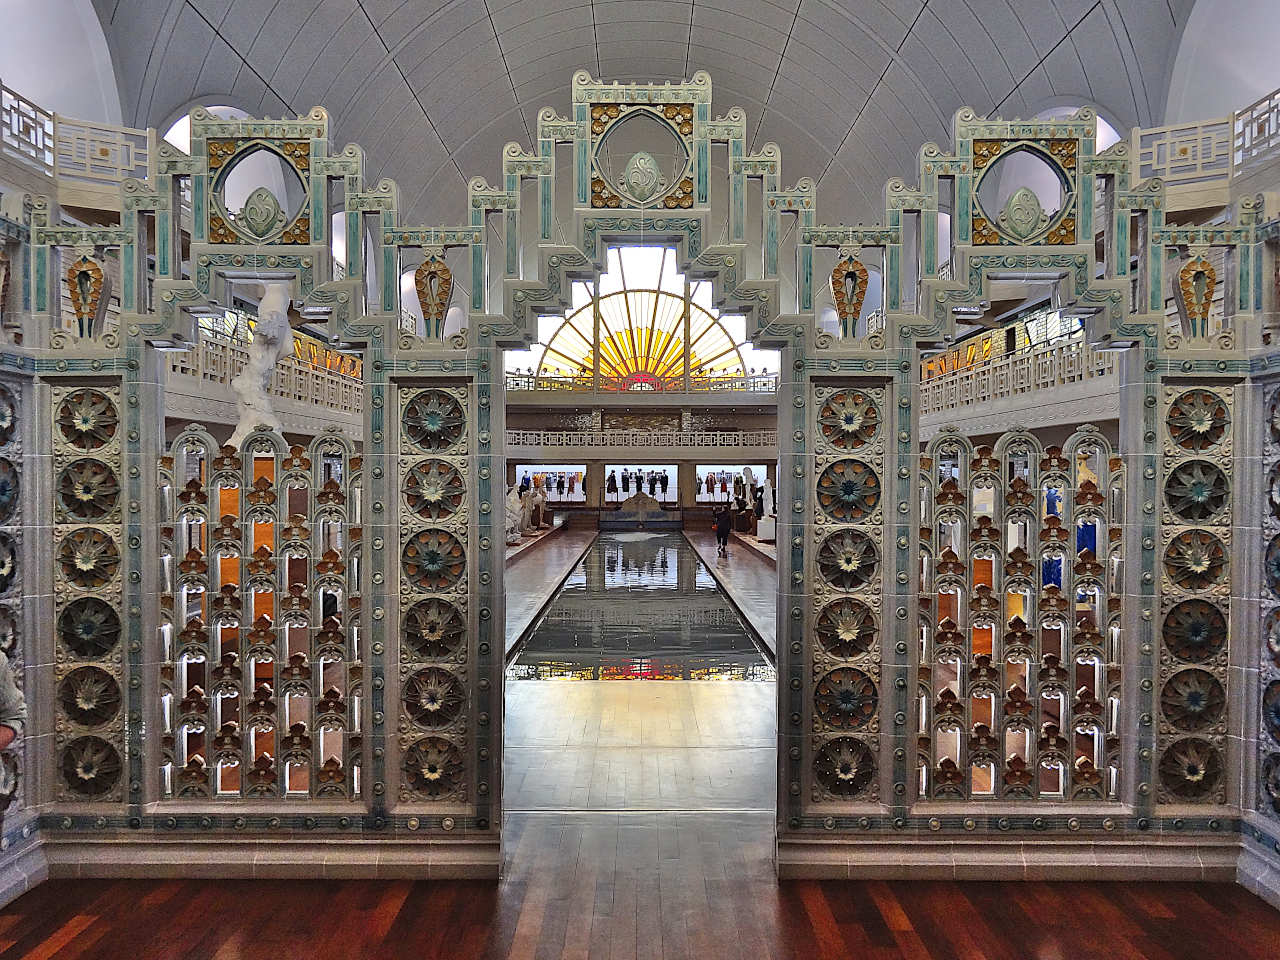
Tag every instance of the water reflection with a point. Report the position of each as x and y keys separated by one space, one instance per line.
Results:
x=640 y=606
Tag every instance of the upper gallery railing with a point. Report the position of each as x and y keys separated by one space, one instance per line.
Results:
x=88 y=160
x=642 y=438
x=1015 y=375
x=762 y=383
x=219 y=361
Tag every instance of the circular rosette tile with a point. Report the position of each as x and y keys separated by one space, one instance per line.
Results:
x=88 y=489
x=88 y=627
x=8 y=631
x=433 y=697
x=848 y=490
x=433 y=628
x=1271 y=780
x=433 y=489
x=1271 y=634
x=433 y=420
x=87 y=419
x=848 y=559
x=1198 y=420
x=1195 y=631
x=848 y=419
x=1196 y=490
x=89 y=696
x=8 y=417
x=1271 y=709
x=433 y=560
x=1271 y=564
x=1191 y=769
x=10 y=489
x=1273 y=490
x=90 y=766
x=8 y=562
x=1192 y=700
x=845 y=767
x=1273 y=416
x=846 y=698
x=88 y=557
x=1195 y=560
x=846 y=628
x=433 y=767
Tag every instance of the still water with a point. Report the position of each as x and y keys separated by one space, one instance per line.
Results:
x=640 y=606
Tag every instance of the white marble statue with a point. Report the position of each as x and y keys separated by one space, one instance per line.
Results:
x=768 y=497
x=537 y=516
x=749 y=478
x=526 y=512
x=272 y=342
x=512 y=518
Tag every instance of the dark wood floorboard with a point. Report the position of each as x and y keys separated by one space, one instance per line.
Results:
x=636 y=886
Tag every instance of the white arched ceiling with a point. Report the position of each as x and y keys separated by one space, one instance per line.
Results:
x=849 y=88
x=1226 y=60
x=54 y=53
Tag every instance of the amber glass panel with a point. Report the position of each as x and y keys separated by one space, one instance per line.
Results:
x=982 y=640
x=263 y=535
x=984 y=572
x=264 y=603
x=264 y=467
x=229 y=570
x=228 y=502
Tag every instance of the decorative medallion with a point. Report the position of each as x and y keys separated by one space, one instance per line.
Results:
x=433 y=628
x=10 y=488
x=1195 y=560
x=89 y=696
x=845 y=767
x=1271 y=564
x=1196 y=490
x=433 y=697
x=8 y=562
x=1271 y=780
x=433 y=489
x=8 y=417
x=1273 y=491
x=87 y=419
x=1271 y=635
x=85 y=284
x=433 y=768
x=1195 y=631
x=88 y=627
x=641 y=177
x=87 y=489
x=261 y=215
x=8 y=632
x=1022 y=216
x=433 y=560
x=1193 y=292
x=846 y=698
x=846 y=628
x=433 y=420
x=848 y=290
x=434 y=282
x=1271 y=709
x=848 y=559
x=1191 y=769
x=848 y=490
x=848 y=419
x=88 y=557
x=1192 y=700
x=90 y=767
x=1198 y=419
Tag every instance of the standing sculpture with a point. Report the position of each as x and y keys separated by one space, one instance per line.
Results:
x=272 y=342
x=513 y=516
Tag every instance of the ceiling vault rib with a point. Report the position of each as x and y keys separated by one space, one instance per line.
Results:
x=515 y=97
x=782 y=58
x=243 y=59
x=688 y=46
x=1040 y=63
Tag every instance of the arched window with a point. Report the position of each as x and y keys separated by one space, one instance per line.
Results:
x=644 y=328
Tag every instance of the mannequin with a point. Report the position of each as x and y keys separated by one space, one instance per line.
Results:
x=611 y=485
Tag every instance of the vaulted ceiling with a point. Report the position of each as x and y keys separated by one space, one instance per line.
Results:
x=849 y=89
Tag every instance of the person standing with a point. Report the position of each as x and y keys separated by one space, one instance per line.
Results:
x=724 y=523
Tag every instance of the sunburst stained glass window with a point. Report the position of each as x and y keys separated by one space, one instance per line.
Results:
x=645 y=329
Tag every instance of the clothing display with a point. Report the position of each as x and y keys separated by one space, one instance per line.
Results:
x=556 y=484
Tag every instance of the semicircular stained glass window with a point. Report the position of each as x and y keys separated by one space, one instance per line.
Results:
x=649 y=335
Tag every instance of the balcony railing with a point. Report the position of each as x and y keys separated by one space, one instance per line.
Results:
x=1016 y=375
x=764 y=383
x=637 y=439
x=218 y=361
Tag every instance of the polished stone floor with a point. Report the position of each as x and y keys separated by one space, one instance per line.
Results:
x=533 y=577
x=640 y=689
x=749 y=579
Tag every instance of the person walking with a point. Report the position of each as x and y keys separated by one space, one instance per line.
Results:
x=724 y=523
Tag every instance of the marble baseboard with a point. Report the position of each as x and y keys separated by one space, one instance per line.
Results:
x=22 y=871
x=1259 y=873
x=1204 y=859
x=123 y=857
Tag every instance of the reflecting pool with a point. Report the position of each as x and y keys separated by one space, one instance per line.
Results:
x=640 y=606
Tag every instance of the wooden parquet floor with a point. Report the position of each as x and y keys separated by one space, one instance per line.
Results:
x=645 y=885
